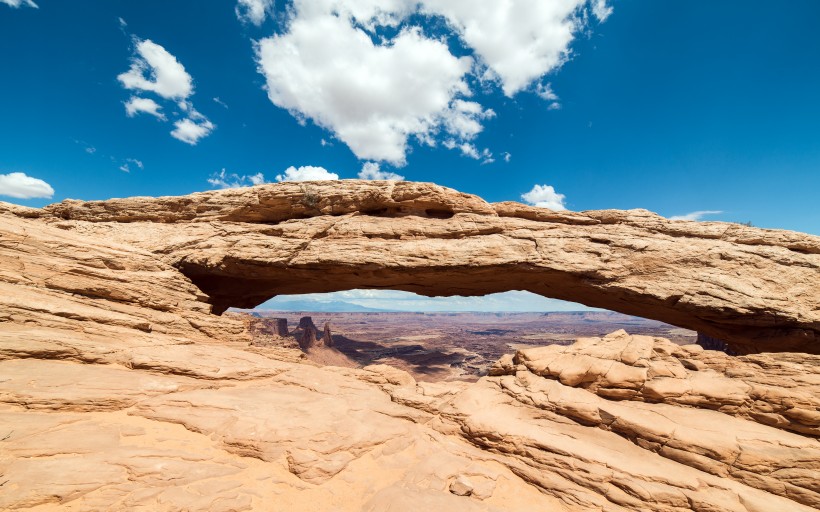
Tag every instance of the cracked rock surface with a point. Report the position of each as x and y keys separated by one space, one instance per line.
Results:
x=119 y=390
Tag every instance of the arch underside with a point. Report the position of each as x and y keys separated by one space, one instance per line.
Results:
x=744 y=331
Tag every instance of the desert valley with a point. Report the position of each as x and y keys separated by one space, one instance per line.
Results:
x=441 y=346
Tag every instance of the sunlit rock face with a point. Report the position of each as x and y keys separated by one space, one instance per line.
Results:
x=119 y=390
x=755 y=289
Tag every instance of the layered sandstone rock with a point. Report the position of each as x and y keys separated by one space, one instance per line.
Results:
x=120 y=391
x=700 y=408
x=756 y=289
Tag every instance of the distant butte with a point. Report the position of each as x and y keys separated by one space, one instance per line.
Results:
x=755 y=289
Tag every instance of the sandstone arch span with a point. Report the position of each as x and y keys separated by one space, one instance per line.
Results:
x=757 y=289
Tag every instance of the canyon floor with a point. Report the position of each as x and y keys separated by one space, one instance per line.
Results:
x=436 y=346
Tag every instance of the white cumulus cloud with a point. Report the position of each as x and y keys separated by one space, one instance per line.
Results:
x=190 y=131
x=545 y=196
x=372 y=171
x=254 y=11
x=306 y=173
x=19 y=3
x=333 y=65
x=463 y=119
x=154 y=69
x=372 y=97
x=20 y=186
x=698 y=215
x=137 y=105
x=224 y=179
x=519 y=40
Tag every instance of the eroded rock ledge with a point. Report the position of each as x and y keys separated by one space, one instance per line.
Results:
x=756 y=289
x=120 y=391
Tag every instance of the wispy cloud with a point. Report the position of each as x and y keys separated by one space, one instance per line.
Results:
x=545 y=92
x=601 y=10
x=126 y=166
x=19 y=3
x=372 y=171
x=698 y=215
x=224 y=179
x=253 y=11
x=470 y=150
x=88 y=148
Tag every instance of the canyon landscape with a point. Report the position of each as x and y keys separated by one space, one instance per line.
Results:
x=440 y=346
x=129 y=382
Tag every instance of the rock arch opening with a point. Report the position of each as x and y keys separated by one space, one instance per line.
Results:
x=438 y=338
x=754 y=288
x=742 y=329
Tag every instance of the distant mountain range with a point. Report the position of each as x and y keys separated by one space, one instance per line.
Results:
x=341 y=306
x=335 y=306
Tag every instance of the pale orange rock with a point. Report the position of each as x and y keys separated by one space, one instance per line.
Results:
x=753 y=288
x=120 y=390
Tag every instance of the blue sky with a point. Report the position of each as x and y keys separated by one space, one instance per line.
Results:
x=675 y=106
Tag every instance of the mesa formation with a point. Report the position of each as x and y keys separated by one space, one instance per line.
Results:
x=126 y=382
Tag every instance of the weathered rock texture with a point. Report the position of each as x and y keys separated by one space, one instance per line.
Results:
x=119 y=391
x=756 y=289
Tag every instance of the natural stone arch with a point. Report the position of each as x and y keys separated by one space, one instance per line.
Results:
x=757 y=289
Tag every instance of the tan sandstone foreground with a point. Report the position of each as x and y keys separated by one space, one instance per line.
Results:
x=120 y=390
